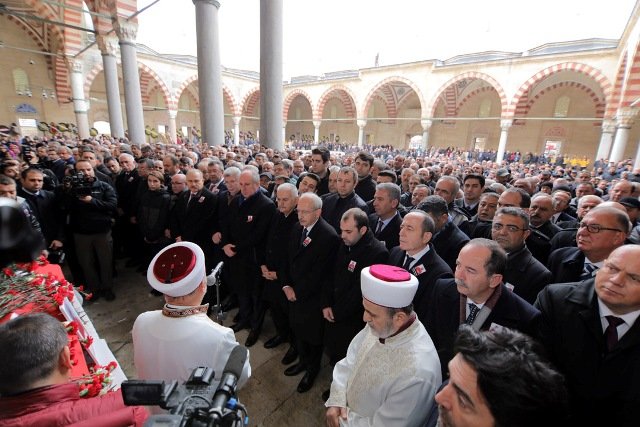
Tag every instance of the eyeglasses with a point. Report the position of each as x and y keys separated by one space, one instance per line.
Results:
x=510 y=228
x=595 y=228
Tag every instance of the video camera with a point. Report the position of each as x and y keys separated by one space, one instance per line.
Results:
x=197 y=402
x=78 y=184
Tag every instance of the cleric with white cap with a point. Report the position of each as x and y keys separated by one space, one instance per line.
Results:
x=392 y=371
x=169 y=343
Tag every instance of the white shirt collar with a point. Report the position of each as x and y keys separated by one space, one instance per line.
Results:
x=629 y=318
x=417 y=256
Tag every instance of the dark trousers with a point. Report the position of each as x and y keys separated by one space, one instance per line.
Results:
x=244 y=280
x=95 y=252
x=310 y=355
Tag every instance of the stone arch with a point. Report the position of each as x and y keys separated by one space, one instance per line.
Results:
x=73 y=36
x=45 y=11
x=344 y=94
x=289 y=99
x=448 y=89
x=166 y=94
x=233 y=105
x=616 y=96
x=597 y=102
x=593 y=73
x=249 y=101
x=632 y=85
x=184 y=85
x=37 y=38
x=235 y=109
x=390 y=96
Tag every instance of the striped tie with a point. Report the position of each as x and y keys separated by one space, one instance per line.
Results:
x=588 y=271
x=473 y=312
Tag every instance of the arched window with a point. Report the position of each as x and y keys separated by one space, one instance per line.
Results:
x=21 y=81
x=562 y=107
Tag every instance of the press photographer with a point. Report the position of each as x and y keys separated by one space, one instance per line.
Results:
x=90 y=206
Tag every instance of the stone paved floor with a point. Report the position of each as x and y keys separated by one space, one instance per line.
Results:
x=270 y=397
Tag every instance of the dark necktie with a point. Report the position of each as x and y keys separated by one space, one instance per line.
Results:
x=407 y=263
x=611 y=333
x=191 y=197
x=473 y=313
x=303 y=236
x=588 y=271
x=379 y=226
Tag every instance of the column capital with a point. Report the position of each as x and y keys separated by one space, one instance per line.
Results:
x=236 y=120
x=608 y=126
x=505 y=124
x=108 y=45
x=172 y=114
x=213 y=2
x=625 y=117
x=361 y=123
x=426 y=124
x=75 y=66
x=125 y=30
x=317 y=123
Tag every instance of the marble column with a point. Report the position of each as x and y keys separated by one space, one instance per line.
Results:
x=236 y=129
x=127 y=32
x=636 y=163
x=79 y=102
x=173 y=129
x=426 y=125
x=209 y=72
x=284 y=132
x=361 y=125
x=109 y=48
x=624 y=121
x=271 y=74
x=502 y=145
x=316 y=131
x=606 y=139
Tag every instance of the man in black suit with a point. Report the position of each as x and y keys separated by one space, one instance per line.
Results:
x=567 y=236
x=127 y=183
x=417 y=255
x=542 y=229
x=215 y=173
x=274 y=267
x=342 y=300
x=336 y=204
x=385 y=222
x=244 y=236
x=448 y=239
x=524 y=275
x=366 y=186
x=478 y=298
x=312 y=248
x=472 y=187
x=602 y=230
x=480 y=224
x=592 y=335
x=562 y=211
x=44 y=206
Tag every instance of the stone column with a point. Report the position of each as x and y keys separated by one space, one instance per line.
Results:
x=636 y=163
x=271 y=74
x=284 y=131
x=502 y=145
x=209 y=72
x=624 y=121
x=604 y=148
x=173 y=129
x=126 y=32
x=109 y=49
x=361 y=124
x=426 y=125
x=236 y=129
x=79 y=102
x=316 y=131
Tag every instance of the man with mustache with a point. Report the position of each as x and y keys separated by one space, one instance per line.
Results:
x=477 y=297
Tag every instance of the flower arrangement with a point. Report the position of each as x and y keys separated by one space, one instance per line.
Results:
x=23 y=289
x=97 y=382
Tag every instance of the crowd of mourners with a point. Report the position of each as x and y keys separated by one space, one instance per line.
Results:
x=544 y=246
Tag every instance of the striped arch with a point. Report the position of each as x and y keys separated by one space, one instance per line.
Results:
x=44 y=10
x=166 y=93
x=62 y=80
x=72 y=36
x=474 y=93
x=289 y=99
x=521 y=96
x=189 y=91
x=184 y=86
x=249 y=102
x=390 y=100
x=632 y=86
x=233 y=105
x=37 y=38
x=344 y=94
x=616 y=96
x=91 y=76
x=447 y=91
x=597 y=102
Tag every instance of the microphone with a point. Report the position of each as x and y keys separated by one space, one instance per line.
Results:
x=230 y=375
x=215 y=273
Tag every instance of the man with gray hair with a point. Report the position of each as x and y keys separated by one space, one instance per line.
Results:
x=448 y=188
x=385 y=221
x=311 y=253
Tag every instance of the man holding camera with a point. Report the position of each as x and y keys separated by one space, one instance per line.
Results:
x=91 y=206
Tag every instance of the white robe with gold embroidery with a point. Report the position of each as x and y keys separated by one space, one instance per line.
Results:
x=391 y=384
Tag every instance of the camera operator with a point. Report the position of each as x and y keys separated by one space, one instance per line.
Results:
x=91 y=205
x=35 y=364
x=169 y=343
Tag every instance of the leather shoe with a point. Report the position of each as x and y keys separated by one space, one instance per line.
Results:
x=290 y=356
x=294 y=370
x=274 y=341
x=252 y=338
x=237 y=327
x=306 y=382
x=325 y=395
